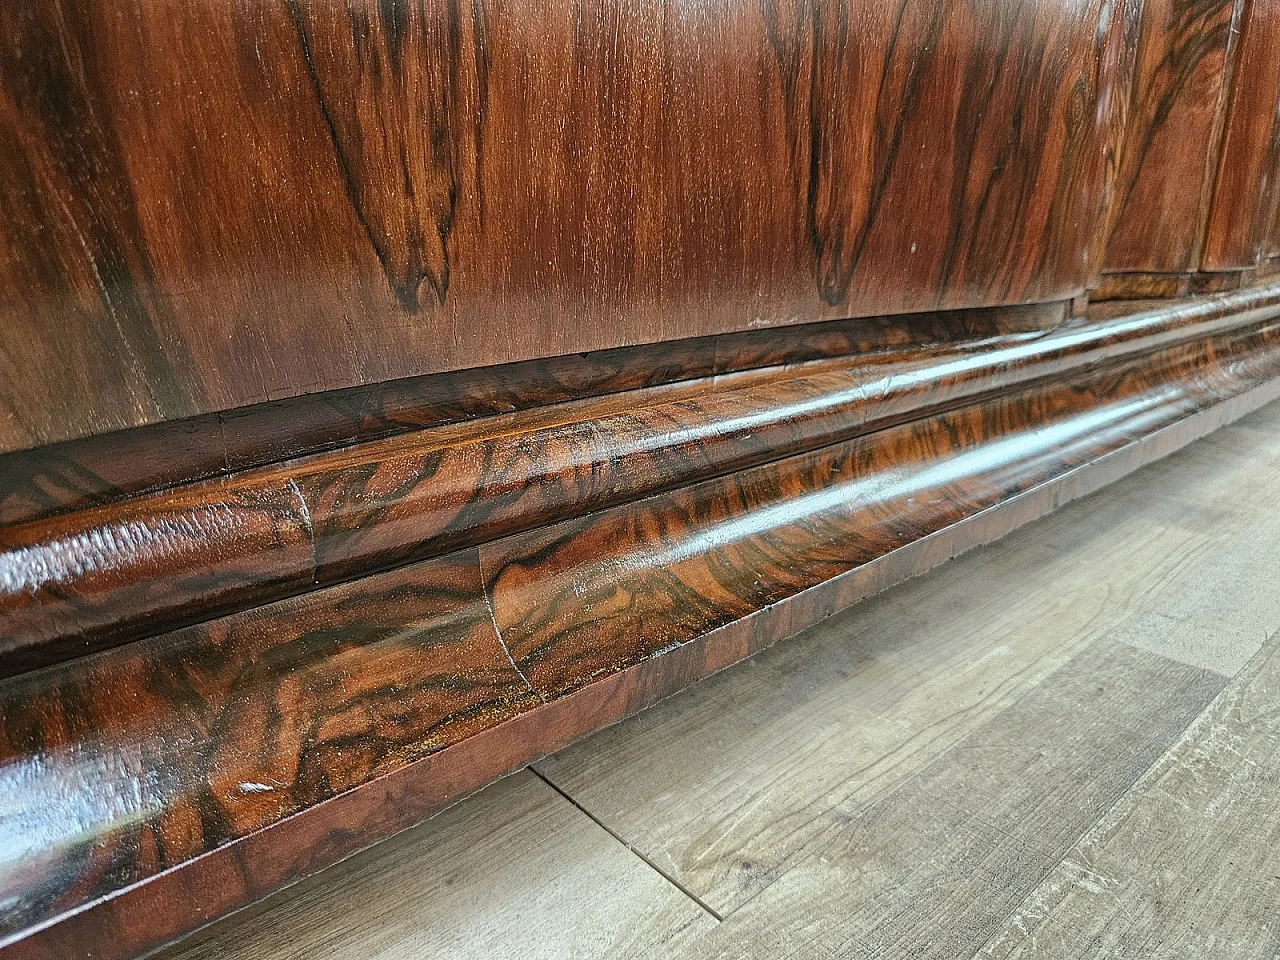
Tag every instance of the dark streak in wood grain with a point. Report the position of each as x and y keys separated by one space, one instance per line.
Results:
x=1221 y=282
x=393 y=390
x=1236 y=227
x=77 y=254
x=402 y=87
x=596 y=594
x=1118 y=61
x=826 y=59
x=209 y=549
x=1170 y=147
x=212 y=733
x=1141 y=286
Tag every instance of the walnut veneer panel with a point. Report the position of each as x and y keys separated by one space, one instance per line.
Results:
x=1237 y=228
x=1172 y=135
x=211 y=205
x=1271 y=238
x=392 y=392
x=100 y=469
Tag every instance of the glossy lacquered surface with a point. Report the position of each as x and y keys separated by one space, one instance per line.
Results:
x=95 y=578
x=1194 y=130
x=1172 y=136
x=391 y=392
x=1250 y=165
x=220 y=204
x=165 y=782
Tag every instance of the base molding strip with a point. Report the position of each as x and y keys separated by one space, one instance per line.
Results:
x=154 y=786
x=94 y=578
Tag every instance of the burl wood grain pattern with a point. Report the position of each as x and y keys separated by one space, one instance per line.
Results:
x=94 y=578
x=391 y=392
x=216 y=205
x=1172 y=135
x=579 y=599
x=208 y=735
x=1237 y=225
x=162 y=783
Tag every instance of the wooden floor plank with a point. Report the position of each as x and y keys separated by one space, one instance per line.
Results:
x=1219 y=615
x=725 y=787
x=1188 y=863
x=933 y=867
x=1218 y=612
x=515 y=871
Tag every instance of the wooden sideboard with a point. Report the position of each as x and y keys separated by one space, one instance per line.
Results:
x=392 y=392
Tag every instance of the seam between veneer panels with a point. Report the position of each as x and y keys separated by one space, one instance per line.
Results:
x=497 y=630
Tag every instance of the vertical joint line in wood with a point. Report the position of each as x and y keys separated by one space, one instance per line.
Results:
x=304 y=513
x=497 y=631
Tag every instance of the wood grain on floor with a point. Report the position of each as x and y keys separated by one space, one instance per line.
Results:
x=935 y=865
x=1188 y=863
x=727 y=788
x=1064 y=745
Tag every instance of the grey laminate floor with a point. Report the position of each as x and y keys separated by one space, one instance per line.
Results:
x=1064 y=745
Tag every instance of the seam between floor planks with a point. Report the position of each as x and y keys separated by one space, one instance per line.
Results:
x=630 y=849
x=1138 y=774
x=1201 y=736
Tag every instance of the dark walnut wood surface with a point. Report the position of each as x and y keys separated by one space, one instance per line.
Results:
x=1250 y=166
x=98 y=577
x=97 y=470
x=1172 y=135
x=1192 y=148
x=212 y=205
x=392 y=392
